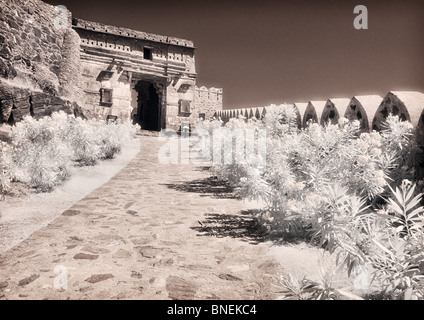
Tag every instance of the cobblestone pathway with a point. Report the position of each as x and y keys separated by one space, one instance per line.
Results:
x=152 y=232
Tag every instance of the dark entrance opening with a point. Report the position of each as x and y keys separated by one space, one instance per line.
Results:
x=148 y=109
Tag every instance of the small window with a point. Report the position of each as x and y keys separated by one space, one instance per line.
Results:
x=184 y=108
x=202 y=116
x=147 y=53
x=106 y=97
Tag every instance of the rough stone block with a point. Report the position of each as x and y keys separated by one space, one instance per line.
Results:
x=55 y=69
x=13 y=24
x=5 y=110
x=28 y=280
x=6 y=69
x=47 y=87
x=5 y=52
x=99 y=277
x=37 y=32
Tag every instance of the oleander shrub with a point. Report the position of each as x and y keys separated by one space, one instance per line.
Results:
x=306 y=289
x=396 y=249
x=346 y=192
x=92 y=141
x=42 y=151
x=41 y=157
x=234 y=132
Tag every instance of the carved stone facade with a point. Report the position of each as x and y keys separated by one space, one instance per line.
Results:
x=148 y=78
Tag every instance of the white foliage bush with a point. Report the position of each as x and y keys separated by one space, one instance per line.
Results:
x=336 y=187
x=43 y=150
x=41 y=157
x=93 y=140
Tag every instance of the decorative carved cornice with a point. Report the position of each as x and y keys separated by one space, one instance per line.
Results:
x=128 y=33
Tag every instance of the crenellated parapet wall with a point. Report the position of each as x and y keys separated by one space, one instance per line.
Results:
x=369 y=110
x=207 y=101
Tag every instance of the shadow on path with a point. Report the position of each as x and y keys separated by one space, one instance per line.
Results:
x=243 y=226
x=246 y=227
x=209 y=187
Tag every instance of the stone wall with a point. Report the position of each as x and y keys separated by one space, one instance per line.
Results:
x=117 y=59
x=38 y=60
x=207 y=101
x=408 y=105
x=70 y=77
x=94 y=80
x=369 y=110
x=50 y=61
x=362 y=108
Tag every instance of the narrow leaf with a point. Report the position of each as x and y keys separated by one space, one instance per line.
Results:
x=382 y=247
x=411 y=204
x=410 y=193
x=408 y=294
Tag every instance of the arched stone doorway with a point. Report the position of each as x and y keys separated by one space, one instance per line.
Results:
x=148 y=111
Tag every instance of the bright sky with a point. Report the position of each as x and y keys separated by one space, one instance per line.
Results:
x=263 y=51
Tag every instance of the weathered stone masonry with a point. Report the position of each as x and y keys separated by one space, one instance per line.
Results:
x=208 y=101
x=39 y=63
x=107 y=70
x=148 y=78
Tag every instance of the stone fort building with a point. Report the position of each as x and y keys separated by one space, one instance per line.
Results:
x=51 y=61
x=146 y=77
